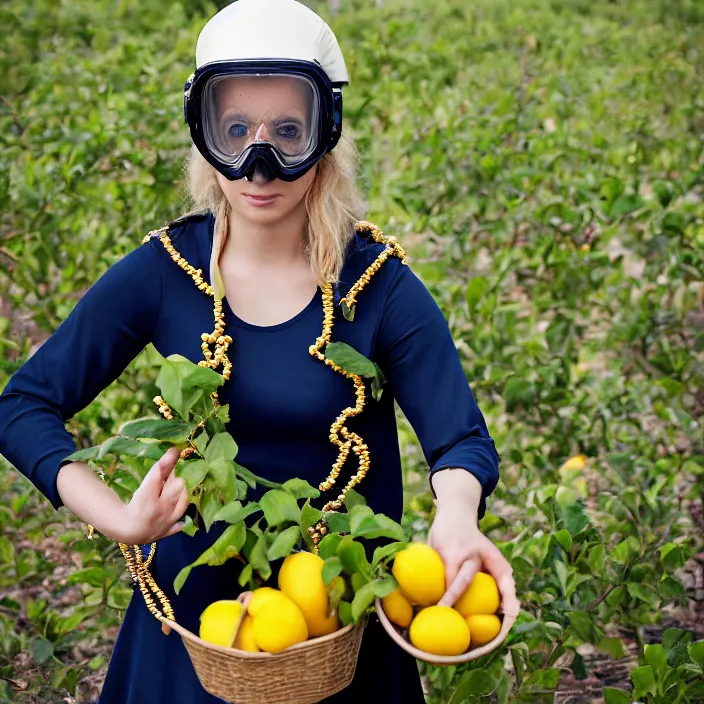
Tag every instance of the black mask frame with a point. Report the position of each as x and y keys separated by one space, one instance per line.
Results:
x=329 y=124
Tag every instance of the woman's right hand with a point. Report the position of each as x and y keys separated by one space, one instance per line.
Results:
x=158 y=505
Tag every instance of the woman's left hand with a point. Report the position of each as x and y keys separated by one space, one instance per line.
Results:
x=465 y=550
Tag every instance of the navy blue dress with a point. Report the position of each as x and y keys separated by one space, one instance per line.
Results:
x=282 y=404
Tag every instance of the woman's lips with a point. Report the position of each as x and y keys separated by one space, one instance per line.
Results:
x=259 y=201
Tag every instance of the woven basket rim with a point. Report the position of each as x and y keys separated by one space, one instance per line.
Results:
x=245 y=655
x=432 y=659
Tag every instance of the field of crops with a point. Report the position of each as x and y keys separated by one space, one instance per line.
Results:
x=542 y=161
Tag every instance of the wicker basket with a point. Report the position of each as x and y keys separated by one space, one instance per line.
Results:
x=396 y=633
x=305 y=673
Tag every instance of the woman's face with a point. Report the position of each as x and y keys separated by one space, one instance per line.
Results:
x=252 y=108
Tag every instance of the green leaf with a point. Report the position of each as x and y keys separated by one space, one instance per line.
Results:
x=228 y=545
x=643 y=681
x=518 y=393
x=672 y=556
x=189 y=528
x=583 y=625
x=157 y=429
x=344 y=611
x=387 y=551
x=177 y=379
x=364 y=598
x=613 y=647
x=201 y=442
x=208 y=508
x=625 y=204
x=280 y=507
x=665 y=192
x=94 y=576
x=310 y=516
x=127 y=446
x=258 y=558
x=674 y=223
x=353 y=557
x=564 y=539
x=234 y=512
x=245 y=575
x=616 y=696
x=328 y=545
x=300 y=489
x=284 y=543
x=626 y=550
x=475 y=683
x=696 y=652
x=365 y=524
x=476 y=289
x=337 y=522
x=354 y=498
x=349 y=359
x=41 y=649
x=656 y=658
x=676 y=641
x=336 y=592
x=348 y=311
x=192 y=472
x=222 y=446
x=223 y=473
x=610 y=190
x=331 y=569
x=640 y=591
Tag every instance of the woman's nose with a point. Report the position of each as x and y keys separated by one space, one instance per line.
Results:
x=262 y=134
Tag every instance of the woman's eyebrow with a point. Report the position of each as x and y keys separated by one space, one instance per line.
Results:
x=287 y=118
x=236 y=114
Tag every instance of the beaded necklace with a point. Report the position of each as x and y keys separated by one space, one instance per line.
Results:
x=340 y=435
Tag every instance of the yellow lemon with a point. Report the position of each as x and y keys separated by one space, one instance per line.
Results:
x=279 y=625
x=218 y=622
x=483 y=628
x=398 y=609
x=480 y=597
x=301 y=579
x=420 y=572
x=575 y=462
x=245 y=636
x=322 y=625
x=261 y=597
x=440 y=630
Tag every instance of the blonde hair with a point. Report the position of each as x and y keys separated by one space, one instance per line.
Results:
x=333 y=204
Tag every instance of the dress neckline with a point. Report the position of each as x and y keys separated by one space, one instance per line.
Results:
x=231 y=316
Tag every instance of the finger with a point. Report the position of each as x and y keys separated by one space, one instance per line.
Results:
x=453 y=564
x=166 y=466
x=176 y=528
x=182 y=504
x=459 y=585
x=502 y=572
x=510 y=605
x=172 y=489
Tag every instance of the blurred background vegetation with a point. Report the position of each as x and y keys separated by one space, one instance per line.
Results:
x=543 y=163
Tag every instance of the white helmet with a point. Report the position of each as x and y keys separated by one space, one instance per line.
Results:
x=267 y=89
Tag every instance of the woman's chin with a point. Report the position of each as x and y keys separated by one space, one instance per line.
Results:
x=268 y=215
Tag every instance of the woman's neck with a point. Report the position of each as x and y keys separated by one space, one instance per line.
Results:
x=262 y=245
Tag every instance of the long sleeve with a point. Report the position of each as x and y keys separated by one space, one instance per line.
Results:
x=113 y=321
x=418 y=356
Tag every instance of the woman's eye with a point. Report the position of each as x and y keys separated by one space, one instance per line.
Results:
x=237 y=130
x=290 y=131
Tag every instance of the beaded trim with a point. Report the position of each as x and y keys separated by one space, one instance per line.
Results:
x=352 y=441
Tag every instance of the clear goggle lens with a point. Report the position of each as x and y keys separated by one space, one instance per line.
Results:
x=281 y=110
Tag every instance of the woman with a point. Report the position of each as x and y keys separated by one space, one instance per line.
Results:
x=276 y=234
